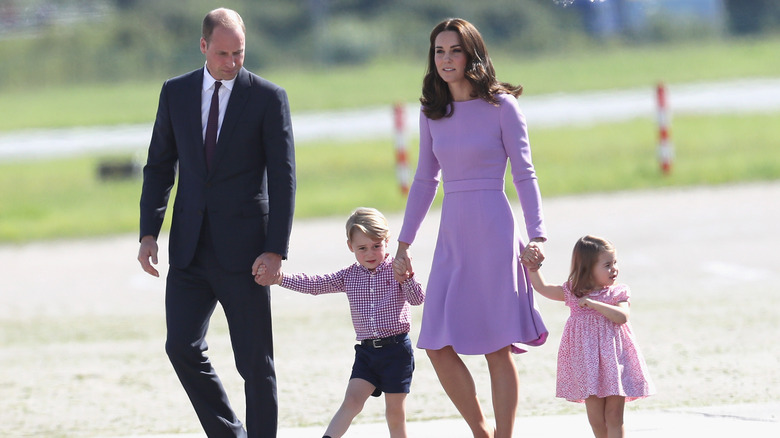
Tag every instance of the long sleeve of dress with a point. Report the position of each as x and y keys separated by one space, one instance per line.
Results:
x=424 y=186
x=515 y=138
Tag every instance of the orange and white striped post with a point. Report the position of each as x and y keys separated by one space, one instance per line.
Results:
x=401 y=165
x=665 y=150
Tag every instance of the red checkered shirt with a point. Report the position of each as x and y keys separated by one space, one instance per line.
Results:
x=380 y=305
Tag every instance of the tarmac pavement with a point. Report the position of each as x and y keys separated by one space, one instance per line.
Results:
x=761 y=420
x=693 y=241
x=695 y=222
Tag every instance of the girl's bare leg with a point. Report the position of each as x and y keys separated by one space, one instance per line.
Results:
x=594 y=406
x=613 y=415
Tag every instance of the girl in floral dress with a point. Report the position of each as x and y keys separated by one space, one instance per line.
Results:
x=599 y=360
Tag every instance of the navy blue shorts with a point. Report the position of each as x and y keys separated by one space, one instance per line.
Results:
x=389 y=368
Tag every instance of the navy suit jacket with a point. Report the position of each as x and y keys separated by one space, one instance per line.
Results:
x=249 y=193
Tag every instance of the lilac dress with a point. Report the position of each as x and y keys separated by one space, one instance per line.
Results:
x=478 y=298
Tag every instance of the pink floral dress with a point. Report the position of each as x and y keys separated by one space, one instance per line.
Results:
x=598 y=357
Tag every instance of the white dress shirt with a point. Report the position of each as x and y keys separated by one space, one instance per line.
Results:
x=205 y=100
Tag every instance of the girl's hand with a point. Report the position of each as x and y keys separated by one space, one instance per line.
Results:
x=617 y=313
x=531 y=263
x=533 y=255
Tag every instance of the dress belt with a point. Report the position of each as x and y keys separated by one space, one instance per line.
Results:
x=465 y=185
x=379 y=343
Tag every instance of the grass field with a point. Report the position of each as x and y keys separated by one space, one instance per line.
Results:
x=388 y=81
x=65 y=197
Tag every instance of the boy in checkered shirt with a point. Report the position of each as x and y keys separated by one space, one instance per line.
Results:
x=381 y=315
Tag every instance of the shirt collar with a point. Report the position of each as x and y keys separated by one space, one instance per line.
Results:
x=380 y=267
x=208 y=81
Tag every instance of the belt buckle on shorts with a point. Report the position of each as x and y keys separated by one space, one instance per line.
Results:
x=377 y=343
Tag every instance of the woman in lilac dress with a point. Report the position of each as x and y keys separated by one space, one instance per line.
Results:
x=479 y=301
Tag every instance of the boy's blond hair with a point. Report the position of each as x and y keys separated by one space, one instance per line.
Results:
x=370 y=221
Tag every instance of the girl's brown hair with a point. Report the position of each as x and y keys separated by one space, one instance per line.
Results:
x=583 y=258
x=436 y=98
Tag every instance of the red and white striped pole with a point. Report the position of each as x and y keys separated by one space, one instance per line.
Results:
x=401 y=165
x=665 y=150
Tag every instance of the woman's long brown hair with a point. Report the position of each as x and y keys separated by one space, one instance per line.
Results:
x=436 y=98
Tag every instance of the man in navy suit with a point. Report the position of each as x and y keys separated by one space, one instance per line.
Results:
x=232 y=212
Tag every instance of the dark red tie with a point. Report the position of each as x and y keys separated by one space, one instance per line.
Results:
x=212 y=125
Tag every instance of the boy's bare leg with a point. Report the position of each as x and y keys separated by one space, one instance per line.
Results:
x=358 y=391
x=395 y=412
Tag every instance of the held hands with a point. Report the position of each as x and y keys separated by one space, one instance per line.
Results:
x=402 y=269
x=402 y=265
x=267 y=269
x=263 y=270
x=533 y=255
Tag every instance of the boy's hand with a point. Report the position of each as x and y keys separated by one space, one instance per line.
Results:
x=263 y=269
x=402 y=269
x=267 y=269
x=409 y=269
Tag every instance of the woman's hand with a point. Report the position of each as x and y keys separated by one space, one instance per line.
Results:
x=533 y=255
x=402 y=265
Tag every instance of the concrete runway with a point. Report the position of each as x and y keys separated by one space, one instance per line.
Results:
x=698 y=242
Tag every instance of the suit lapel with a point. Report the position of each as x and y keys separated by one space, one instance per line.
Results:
x=236 y=103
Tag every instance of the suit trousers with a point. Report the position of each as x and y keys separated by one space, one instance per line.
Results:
x=191 y=297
